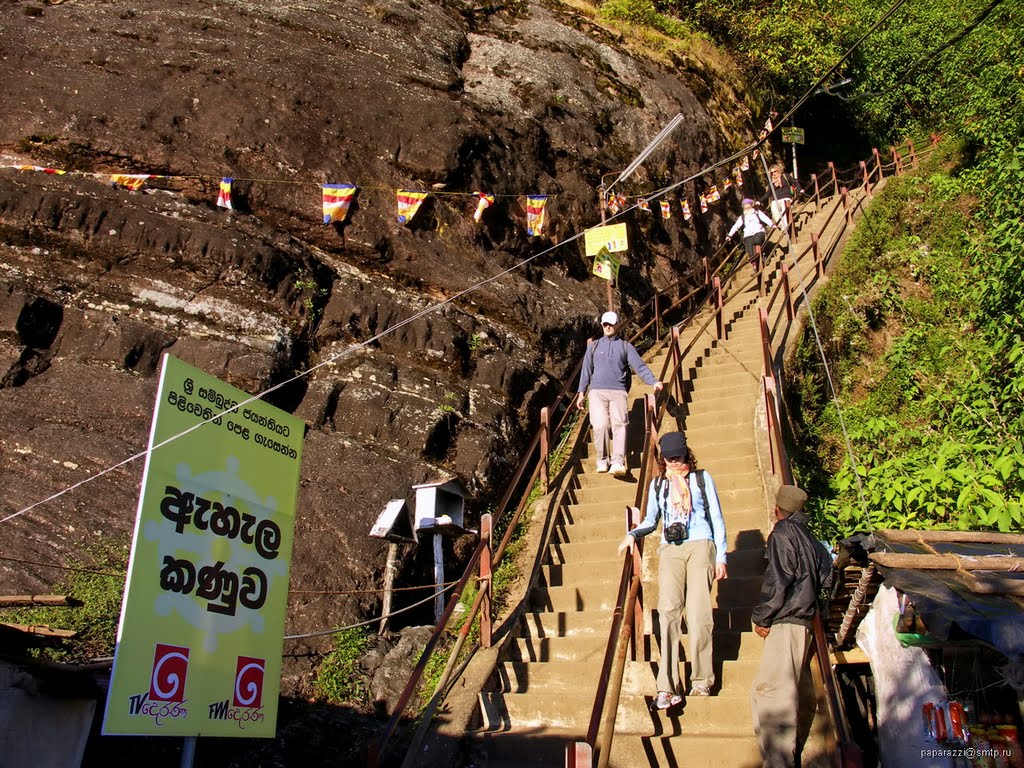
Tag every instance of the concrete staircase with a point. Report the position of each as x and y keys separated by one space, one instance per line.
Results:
x=547 y=679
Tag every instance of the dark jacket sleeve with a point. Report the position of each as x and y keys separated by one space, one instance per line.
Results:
x=778 y=576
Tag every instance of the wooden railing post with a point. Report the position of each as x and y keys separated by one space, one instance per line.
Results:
x=845 y=193
x=719 y=309
x=579 y=754
x=897 y=161
x=817 y=192
x=913 y=155
x=864 y=175
x=817 y=255
x=657 y=318
x=832 y=173
x=759 y=269
x=635 y=516
x=787 y=291
x=790 y=223
x=675 y=376
x=485 y=581
x=707 y=280
x=545 y=445
x=878 y=164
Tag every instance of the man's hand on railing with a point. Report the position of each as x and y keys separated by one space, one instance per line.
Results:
x=658 y=386
x=627 y=543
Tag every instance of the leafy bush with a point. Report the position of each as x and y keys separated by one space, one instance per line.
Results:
x=338 y=678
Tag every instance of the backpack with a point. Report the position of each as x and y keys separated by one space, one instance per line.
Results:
x=659 y=485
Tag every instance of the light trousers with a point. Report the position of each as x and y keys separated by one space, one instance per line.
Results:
x=609 y=413
x=776 y=693
x=685 y=574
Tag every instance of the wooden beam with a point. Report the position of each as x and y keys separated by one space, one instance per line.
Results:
x=947 y=562
x=41 y=630
x=7 y=601
x=966 y=537
x=852 y=656
x=993 y=584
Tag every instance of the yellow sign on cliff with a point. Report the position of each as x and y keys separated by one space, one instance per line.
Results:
x=202 y=622
x=611 y=237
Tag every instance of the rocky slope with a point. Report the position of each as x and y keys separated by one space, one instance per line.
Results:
x=96 y=281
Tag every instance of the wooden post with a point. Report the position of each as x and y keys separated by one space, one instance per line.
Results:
x=719 y=305
x=657 y=318
x=817 y=192
x=638 y=611
x=832 y=173
x=485 y=582
x=707 y=280
x=436 y=540
x=759 y=270
x=676 y=374
x=579 y=754
x=817 y=255
x=878 y=164
x=790 y=224
x=545 y=445
x=913 y=155
x=844 y=192
x=897 y=161
x=787 y=291
x=390 y=569
x=864 y=175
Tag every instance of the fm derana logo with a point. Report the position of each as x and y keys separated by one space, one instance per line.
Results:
x=166 y=696
x=246 y=702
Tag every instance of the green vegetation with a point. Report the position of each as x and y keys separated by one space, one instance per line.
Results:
x=338 y=678
x=98 y=586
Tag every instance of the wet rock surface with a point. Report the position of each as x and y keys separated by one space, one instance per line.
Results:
x=97 y=282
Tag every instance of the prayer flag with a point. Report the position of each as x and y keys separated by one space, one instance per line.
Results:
x=613 y=204
x=132 y=181
x=623 y=202
x=644 y=205
x=37 y=168
x=726 y=184
x=756 y=154
x=224 y=198
x=768 y=126
x=713 y=195
x=738 y=175
x=408 y=203
x=745 y=164
x=336 y=201
x=666 y=210
x=686 y=210
x=483 y=203
x=703 y=203
x=535 y=214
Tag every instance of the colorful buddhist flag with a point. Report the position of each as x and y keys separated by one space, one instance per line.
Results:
x=336 y=201
x=224 y=197
x=613 y=204
x=535 y=214
x=644 y=205
x=745 y=164
x=132 y=181
x=737 y=174
x=703 y=203
x=686 y=210
x=408 y=203
x=755 y=154
x=726 y=184
x=482 y=204
x=666 y=209
x=713 y=196
x=623 y=202
x=37 y=168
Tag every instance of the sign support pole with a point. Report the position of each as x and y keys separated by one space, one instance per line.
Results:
x=188 y=752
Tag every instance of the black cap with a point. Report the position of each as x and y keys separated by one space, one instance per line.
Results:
x=673 y=444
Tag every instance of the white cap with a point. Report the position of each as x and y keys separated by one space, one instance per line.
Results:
x=609 y=317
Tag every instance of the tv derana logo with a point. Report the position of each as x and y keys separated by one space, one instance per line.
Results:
x=166 y=696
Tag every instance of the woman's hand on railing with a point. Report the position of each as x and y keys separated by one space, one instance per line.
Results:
x=629 y=542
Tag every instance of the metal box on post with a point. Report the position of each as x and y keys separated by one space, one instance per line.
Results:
x=440 y=505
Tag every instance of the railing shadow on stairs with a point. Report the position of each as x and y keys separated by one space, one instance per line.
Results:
x=719 y=272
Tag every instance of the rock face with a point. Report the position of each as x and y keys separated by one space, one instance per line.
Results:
x=97 y=282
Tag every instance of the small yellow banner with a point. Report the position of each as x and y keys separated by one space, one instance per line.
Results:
x=606 y=265
x=611 y=237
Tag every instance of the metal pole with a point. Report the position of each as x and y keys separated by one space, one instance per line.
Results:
x=188 y=752
x=438 y=577
x=792 y=123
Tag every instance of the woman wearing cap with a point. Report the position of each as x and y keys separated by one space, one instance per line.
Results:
x=691 y=557
x=781 y=190
x=605 y=374
x=753 y=222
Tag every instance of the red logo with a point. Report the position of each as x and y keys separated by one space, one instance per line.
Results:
x=170 y=665
x=249 y=682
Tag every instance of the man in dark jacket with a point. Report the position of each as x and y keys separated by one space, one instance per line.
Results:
x=797 y=568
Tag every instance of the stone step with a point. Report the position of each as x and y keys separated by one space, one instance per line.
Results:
x=732 y=645
x=604 y=534
x=578 y=597
x=595 y=571
x=565 y=624
x=589 y=648
x=519 y=747
x=675 y=745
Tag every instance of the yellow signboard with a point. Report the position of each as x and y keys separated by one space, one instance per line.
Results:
x=793 y=135
x=606 y=265
x=611 y=237
x=199 y=642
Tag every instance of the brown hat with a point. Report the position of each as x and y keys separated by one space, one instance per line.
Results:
x=790 y=499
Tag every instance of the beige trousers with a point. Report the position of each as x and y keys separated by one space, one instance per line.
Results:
x=776 y=693
x=609 y=412
x=685 y=574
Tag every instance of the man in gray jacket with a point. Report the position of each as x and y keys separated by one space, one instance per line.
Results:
x=798 y=566
x=605 y=374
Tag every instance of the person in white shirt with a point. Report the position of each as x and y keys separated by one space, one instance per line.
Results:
x=753 y=223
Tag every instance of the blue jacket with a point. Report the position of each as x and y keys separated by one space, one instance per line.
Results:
x=607 y=362
x=658 y=506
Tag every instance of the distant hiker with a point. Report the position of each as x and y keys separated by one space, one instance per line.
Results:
x=753 y=223
x=798 y=567
x=781 y=190
x=691 y=557
x=605 y=373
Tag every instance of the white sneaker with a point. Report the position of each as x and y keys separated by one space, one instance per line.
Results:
x=602 y=466
x=618 y=470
